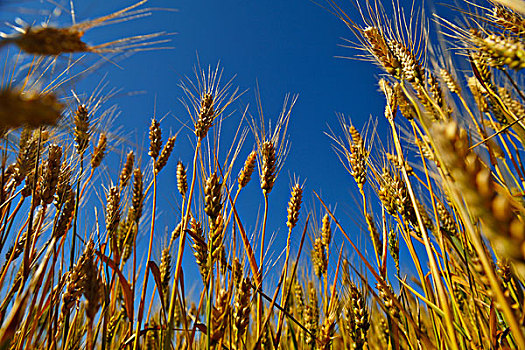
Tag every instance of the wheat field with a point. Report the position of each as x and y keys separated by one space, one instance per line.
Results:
x=446 y=186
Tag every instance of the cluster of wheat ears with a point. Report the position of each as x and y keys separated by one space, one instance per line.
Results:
x=450 y=187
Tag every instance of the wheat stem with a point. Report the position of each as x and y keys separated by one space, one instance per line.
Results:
x=182 y=238
x=261 y=266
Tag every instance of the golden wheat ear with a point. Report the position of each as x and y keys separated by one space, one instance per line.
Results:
x=18 y=108
x=53 y=41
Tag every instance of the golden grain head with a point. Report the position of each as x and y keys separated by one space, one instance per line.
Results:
x=137 y=199
x=50 y=41
x=155 y=137
x=326 y=231
x=206 y=116
x=247 y=171
x=113 y=211
x=294 y=205
x=213 y=196
x=267 y=176
x=82 y=131
x=165 y=154
x=18 y=108
x=99 y=151
x=127 y=170
x=50 y=177
x=182 y=180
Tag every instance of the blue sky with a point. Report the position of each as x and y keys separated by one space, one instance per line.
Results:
x=284 y=47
